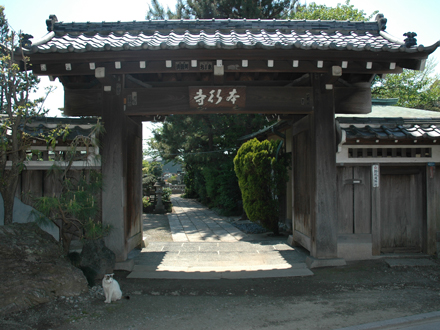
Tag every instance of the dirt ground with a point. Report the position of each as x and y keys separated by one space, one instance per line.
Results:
x=333 y=298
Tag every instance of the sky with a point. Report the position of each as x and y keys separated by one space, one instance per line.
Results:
x=30 y=16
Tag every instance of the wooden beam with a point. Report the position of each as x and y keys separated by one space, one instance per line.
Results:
x=83 y=102
x=137 y=81
x=268 y=100
x=175 y=100
x=355 y=100
x=227 y=54
x=159 y=66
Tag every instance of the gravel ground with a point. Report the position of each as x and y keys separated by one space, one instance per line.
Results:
x=249 y=227
x=335 y=297
x=358 y=293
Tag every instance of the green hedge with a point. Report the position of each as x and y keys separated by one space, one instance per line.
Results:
x=262 y=175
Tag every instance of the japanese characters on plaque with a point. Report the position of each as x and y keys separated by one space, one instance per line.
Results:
x=217 y=97
x=375 y=175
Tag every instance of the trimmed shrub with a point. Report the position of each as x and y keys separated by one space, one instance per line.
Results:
x=262 y=176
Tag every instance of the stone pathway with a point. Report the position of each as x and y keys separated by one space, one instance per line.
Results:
x=192 y=222
x=207 y=246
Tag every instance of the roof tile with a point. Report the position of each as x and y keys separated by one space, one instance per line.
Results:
x=392 y=132
x=212 y=34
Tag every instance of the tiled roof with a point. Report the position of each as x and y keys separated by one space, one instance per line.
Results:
x=384 y=123
x=393 y=132
x=392 y=123
x=77 y=126
x=390 y=112
x=220 y=34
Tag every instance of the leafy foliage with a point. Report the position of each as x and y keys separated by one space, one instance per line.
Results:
x=147 y=204
x=414 y=89
x=223 y=9
x=152 y=172
x=343 y=12
x=153 y=168
x=17 y=109
x=166 y=194
x=76 y=210
x=261 y=177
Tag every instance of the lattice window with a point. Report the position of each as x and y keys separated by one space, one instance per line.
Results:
x=390 y=152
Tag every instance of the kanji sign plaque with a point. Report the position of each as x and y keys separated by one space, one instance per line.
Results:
x=217 y=97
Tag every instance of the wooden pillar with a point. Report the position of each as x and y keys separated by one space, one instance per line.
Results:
x=114 y=189
x=432 y=208
x=324 y=224
x=133 y=224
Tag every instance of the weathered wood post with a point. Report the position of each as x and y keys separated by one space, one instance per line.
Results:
x=324 y=224
x=113 y=157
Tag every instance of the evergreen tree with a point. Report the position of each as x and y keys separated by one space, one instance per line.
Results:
x=223 y=9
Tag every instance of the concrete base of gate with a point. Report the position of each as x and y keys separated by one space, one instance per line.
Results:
x=355 y=247
x=127 y=265
x=318 y=263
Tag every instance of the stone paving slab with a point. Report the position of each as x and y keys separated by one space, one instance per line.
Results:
x=184 y=228
x=407 y=262
x=207 y=246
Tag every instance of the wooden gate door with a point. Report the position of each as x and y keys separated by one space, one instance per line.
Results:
x=354 y=199
x=402 y=209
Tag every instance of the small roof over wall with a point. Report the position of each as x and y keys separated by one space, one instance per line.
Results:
x=385 y=124
x=76 y=126
x=392 y=124
x=384 y=111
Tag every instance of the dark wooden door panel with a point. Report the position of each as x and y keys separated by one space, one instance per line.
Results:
x=401 y=212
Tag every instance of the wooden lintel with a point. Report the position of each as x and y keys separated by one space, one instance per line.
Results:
x=269 y=100
x=175 y=100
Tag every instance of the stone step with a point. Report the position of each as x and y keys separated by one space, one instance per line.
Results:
x=235 y=272
x=219 y=260
x=198 y=247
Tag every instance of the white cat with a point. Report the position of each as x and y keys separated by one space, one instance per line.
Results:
x=111 y=288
